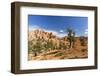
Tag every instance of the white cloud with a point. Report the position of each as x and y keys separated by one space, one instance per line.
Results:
x=61 y=31
x=35 y=27
x=56 y=33
x=86 y=32
x=62 y=34
x=31 y=27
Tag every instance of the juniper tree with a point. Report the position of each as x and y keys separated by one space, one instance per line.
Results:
x=71 y=37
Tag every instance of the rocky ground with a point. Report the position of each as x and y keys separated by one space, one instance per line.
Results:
x=39 y=38
x=61 y=54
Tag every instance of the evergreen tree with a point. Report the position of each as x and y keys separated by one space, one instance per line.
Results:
x=71 y=37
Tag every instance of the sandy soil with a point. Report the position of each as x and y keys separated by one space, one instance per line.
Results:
x=73 y=53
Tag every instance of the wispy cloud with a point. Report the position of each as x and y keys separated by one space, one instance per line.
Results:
x=33 y=27
x=59 y=34
x=86 y=32
x=62 y=34
x=61 y=31
x=56 y=33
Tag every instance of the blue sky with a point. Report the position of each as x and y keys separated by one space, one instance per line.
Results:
x=58 y=24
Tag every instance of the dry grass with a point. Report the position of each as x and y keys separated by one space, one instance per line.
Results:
x=74 y=53
x=79 y=51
